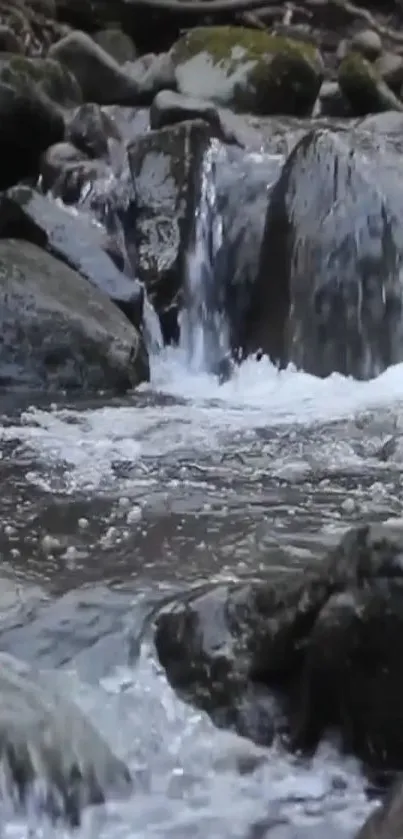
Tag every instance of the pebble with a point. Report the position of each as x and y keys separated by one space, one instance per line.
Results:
x=49 y=543
x=134 y=515
x=348 y=505
x=83 y=523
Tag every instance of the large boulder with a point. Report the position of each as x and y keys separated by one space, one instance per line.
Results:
x=328 y=295
x=60 y=332
x=46 y=738
x=248 y=70
x=166 y=167
x=29 y=124
x=77 y=240
x=322 y=645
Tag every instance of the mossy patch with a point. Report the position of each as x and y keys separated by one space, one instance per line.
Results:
x=363 y=87
x=55 y=80
x=248 y=69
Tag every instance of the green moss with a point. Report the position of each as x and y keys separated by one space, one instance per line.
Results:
x=364 y=89
x=355 y=69
x=55 y=80
x=219 y=42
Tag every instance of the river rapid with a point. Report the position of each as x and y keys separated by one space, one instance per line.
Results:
x=109 y=506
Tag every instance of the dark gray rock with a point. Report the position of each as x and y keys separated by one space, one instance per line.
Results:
x=329 y=291
x=386 y=821
x=166 y=171
x=77 y=240
x=170 y=107
x=29 y=124
x=91 y=131
x=322 y=645
x=45 y=737
x=55 y=161
x=58 y=331
x=103 y=80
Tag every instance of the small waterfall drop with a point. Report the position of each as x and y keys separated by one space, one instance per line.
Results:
x=204 y=332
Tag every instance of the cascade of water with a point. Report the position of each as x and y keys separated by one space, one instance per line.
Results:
x=204 y=332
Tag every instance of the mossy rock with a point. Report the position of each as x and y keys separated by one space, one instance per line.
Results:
x=53 y=79
x=363 y=88
x=248 y=70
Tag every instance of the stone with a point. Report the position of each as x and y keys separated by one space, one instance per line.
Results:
x=332 y=103
x=46 y=737
x=389 y=67
x=297 y=653
x=386 y=821
x=170 y=107
x=91 y=131
x=56 y=160
x=365 y=91
x=248 y=70
x=9 y=41
x=328 y=295
x=69 y=174
x=117 y=44
x=53 y=80
x=106 y=82
x=166 y=168
x=76 y=240
x=29 y=124
x=58 y=331
x=368 y=43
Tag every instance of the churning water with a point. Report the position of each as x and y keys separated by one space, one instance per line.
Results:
x=108 y=507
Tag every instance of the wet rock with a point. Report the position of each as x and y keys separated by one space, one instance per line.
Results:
x=322 y=642
x=386 y=821
x=248 y=70
x=389 y=67
x=91 y=131
x=117 y=44
x=45 y=737
x=166 y=170
x=78 y=241
x=29 y=124
x=329 y=295
x=58 y=331
x=54 y=80
x=9 y=41
x=332 y=102
x=368 y=43
x=55 y=161
x=365 y=91
x=170 y=107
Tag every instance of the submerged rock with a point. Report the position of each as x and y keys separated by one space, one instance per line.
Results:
x=329 y=294
x=43 y=737
x=248 y=70
x=166 y=168
x=77 y=240
x=322 y=644
x=58 y=331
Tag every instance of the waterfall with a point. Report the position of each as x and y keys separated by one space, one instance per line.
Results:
x=204 y=332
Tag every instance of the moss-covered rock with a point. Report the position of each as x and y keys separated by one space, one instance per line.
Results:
x=53 y=79
x=248 y=70
x=363 y=88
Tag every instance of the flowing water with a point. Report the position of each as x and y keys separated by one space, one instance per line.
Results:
x=109 y=506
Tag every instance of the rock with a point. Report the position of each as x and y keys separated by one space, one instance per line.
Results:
x=166 y=170
x=46 y=738
x=328 y=295
x=332 y=103
x=58 y=331
x=91 y=130
x=29 y=124
x=68 y=174
x=77 y=240
x=170 y=107
x=368 y=43
x=9 y=41
x=389 y=67
x=117 y=44
x=386 y=821
x=321 y=645
x=103 y=80
x=54 y=80
x=248 y=70
x=363 y=88
x=54 y=162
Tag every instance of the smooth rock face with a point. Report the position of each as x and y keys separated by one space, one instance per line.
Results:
x=329 y=290
x=323 y=645
x=44 y=737
x=166 y=171
x=29 y=124
x=58 y=331
x=248 y=70
x=79 y=242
